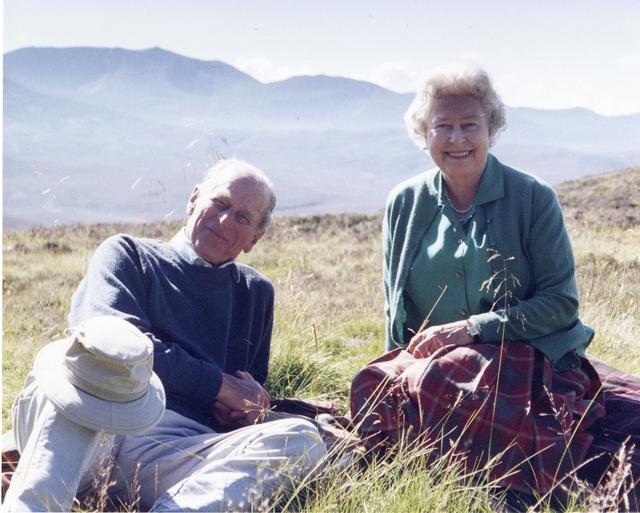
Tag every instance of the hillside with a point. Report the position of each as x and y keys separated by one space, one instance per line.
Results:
x=606 y=199
x=74 y=117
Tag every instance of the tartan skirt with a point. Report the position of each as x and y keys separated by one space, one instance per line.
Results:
x=497 y=403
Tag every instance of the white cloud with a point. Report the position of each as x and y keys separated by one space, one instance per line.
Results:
x=267 y=71
x=405 y=77
x=525 y=89
x=469 y=57
x=631 y=61
x=400 y=76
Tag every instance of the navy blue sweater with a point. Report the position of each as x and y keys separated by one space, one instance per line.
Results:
x=204 y=320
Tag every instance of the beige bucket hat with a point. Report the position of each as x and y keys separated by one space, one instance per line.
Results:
x=102 y=378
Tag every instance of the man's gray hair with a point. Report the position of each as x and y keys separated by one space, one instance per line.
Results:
x=454 y=80
x=234 y=168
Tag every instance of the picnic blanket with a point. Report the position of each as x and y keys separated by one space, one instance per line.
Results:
x=619 y=428
x=486 y=402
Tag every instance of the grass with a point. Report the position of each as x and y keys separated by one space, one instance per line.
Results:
x=329 y=321
x=419 y=483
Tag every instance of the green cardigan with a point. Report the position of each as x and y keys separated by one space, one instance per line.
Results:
x=525 y=225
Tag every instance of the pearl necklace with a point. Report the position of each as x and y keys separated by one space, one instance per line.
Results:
x=458 y=211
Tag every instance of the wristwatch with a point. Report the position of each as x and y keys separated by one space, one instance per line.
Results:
x=473 y=329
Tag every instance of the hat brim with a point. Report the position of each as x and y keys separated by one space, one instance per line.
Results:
x=125 y=418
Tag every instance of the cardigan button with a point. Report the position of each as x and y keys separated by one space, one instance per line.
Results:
x=493 y=243
x=488 y=220
x=458 y=274
x=464 y=314
x=460 y=241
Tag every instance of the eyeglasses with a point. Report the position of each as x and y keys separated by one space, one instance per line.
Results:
x=447 y=129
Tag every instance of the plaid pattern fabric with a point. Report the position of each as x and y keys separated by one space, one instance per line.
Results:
x=620 y=426
x=535 y=424
x=622 y=402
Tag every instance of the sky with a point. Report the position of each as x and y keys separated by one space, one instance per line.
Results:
x=544 y=54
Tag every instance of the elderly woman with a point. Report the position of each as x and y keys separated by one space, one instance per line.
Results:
x=479 y=286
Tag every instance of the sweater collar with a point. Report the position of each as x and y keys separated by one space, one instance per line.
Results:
x=491 y=185
x=184 y=248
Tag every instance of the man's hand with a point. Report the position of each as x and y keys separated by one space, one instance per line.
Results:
x=240 y=401
x=228 y=418
x=430 y=340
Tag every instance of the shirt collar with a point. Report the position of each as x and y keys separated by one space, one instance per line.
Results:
x=491 y=185
x=184 y=248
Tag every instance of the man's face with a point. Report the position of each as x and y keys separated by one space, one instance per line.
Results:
x=224 y=218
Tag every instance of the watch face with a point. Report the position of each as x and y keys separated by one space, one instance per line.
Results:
x=473 y=328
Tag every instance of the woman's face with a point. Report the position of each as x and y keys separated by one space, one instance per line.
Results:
x=458 y=136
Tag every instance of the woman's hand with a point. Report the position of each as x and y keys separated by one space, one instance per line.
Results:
x=433 y=338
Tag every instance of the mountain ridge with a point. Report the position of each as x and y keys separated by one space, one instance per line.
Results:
x=329 y=143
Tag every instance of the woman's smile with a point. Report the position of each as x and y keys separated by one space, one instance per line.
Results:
x=458 y=154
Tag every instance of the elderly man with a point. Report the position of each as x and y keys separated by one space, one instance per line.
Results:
x=209 y=318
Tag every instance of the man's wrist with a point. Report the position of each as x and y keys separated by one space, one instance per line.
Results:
x=225 y=390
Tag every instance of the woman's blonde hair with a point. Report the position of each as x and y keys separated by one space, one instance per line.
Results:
x=454 y=81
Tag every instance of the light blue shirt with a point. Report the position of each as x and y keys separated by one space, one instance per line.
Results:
x=185 y=249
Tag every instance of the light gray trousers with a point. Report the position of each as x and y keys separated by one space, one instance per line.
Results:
x=178 y=465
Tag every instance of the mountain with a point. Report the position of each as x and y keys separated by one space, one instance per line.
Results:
x=106 y=134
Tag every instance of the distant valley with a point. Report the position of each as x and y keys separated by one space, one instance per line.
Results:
x=101 y=135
